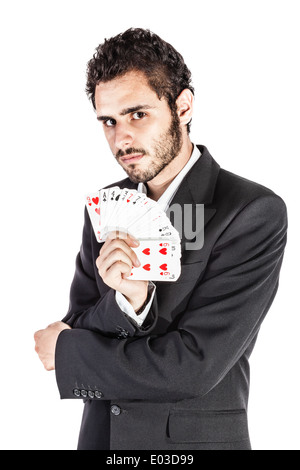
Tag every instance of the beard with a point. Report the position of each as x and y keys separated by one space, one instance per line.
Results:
x=165 y=149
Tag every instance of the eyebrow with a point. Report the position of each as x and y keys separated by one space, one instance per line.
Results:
x=126 y=111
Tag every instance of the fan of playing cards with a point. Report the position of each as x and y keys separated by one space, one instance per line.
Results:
x=134 y=213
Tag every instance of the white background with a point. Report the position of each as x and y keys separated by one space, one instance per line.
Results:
x=244 y=56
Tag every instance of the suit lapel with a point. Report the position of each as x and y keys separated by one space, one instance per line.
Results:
x=198 y=187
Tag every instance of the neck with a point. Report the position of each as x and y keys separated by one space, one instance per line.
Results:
x=158 y=185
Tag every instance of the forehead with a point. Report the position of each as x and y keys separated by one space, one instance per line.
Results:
x=130 y=90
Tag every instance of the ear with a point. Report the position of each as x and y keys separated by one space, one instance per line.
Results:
x=185 y=106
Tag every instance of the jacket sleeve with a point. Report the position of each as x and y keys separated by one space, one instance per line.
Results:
x=223 y=316
x=92 y=311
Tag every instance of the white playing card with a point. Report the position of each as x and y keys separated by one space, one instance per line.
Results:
x=136 y=207
x=125 y=209
x=103 y=194
x=93 y=208
x=160 y=261
x=150 y=228
x=113 y=195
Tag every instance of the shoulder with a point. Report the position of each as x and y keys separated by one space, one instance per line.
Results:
x=239 y=191
x=248 y=207
x=239 y=187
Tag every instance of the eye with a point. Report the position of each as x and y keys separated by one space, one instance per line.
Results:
x=138 y=115
x=109 y=123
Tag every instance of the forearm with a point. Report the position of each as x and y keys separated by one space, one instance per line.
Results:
x=137 y=316
x=138 y=368
x=108 y=319
x=96 y=306
x=105 y=317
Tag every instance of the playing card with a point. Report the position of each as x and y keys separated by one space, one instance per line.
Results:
x=93 y=208
x=125 y=210
x=111 y=206
x=103 y=195
x=154 y=227
x=160 y=261
x=136 y=206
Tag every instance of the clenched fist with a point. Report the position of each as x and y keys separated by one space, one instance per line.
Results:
x=115 y=264
x=45 y=343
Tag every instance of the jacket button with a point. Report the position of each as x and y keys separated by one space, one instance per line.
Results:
x=98 y=394
x=83 y=393
x=76 y=392
x=122 y=334
x=115 y=410
x=91 y=394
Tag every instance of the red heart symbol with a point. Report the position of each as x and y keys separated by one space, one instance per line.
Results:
x=164 y=267
x=90 y=203
x=163 y=251
x=95 y=200
x=98 y=211
x=146 y=251
x=147 y=267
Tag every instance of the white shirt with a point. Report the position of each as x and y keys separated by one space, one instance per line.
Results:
x=164 y=201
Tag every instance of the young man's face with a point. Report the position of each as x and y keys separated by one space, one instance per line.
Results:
x=142 y=133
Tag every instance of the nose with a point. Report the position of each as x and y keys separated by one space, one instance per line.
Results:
x=123 y=137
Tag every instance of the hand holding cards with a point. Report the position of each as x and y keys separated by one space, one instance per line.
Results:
x=129 y=211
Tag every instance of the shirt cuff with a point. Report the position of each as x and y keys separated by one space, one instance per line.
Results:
x=128 y=309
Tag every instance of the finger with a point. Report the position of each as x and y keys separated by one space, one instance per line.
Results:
x=116 y=245
x=114 y=257
x=118 y=239
x=49 y=367
x=104 y=263
x=37 y=335
x=118 y=269
x=130 y=239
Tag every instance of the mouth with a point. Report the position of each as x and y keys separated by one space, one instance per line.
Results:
x=131 y=158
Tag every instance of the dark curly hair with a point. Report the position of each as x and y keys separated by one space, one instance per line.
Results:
x=141 y=50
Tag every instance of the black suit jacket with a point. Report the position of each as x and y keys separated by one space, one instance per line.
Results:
x=181 y=381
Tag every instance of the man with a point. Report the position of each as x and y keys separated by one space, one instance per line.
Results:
x=165 y=365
